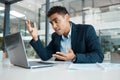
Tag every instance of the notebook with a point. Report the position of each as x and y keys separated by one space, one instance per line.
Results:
x=17 y=53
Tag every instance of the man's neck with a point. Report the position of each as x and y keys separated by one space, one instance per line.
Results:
x=67 y=30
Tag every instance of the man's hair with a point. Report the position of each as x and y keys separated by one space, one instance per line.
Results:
x=57 y=9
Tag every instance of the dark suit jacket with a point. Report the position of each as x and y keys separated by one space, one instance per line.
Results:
x=84 y=42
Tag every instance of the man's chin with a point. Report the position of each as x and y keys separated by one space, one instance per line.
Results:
x=59 y=33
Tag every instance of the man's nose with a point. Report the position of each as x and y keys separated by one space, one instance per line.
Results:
x=54 y=26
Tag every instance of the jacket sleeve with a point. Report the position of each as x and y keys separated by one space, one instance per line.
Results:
x=44 y=53
x=94 y=51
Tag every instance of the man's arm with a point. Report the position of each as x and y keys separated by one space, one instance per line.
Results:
x=44 y=53
x=40 y=50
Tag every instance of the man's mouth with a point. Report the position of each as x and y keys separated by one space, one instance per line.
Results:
x=57 y=30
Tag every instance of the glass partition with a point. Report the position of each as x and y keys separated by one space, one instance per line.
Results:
x=102 y=14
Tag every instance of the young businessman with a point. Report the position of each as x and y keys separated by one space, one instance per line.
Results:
x=70 y=42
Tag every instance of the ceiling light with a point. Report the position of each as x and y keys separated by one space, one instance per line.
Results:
x=17 y=14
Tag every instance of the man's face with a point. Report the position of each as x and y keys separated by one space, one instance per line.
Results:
x=59 y=23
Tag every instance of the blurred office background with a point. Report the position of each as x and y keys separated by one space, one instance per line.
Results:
x=104 y=15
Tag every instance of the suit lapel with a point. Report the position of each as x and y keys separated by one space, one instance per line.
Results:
x=57 y=42
x=73 y=36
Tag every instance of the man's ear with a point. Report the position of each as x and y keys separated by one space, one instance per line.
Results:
x=67 y=17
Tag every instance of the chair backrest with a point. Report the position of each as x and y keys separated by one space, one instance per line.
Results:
x=115 y=57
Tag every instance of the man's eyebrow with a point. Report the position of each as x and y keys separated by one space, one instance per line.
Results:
x=53 y=20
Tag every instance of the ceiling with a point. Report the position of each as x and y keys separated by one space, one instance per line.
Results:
x=30 y=8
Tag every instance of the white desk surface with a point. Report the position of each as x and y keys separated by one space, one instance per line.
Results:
x=59 y=71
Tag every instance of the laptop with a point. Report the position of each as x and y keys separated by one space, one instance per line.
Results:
x=17 y=53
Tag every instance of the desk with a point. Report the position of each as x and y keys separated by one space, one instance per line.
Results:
x=59 y=71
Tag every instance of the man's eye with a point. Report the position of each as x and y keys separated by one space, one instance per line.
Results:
x=56 y=21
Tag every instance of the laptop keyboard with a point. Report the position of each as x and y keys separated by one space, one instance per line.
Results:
x=39 y=62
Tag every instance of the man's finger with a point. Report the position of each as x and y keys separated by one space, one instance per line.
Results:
x=59 y=57
x=35 y=25
x=61 y=54
x=28 y=24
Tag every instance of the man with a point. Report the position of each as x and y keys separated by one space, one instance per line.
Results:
x=70 y=42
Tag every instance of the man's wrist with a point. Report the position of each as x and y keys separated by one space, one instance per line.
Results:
x=74 y=59
x=35 y=38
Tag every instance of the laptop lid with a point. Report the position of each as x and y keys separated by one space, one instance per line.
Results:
x=16 y=51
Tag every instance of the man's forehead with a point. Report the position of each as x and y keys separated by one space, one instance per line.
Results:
x=53 y=17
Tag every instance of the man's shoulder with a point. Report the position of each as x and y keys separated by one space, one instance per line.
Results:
x=82 y=26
